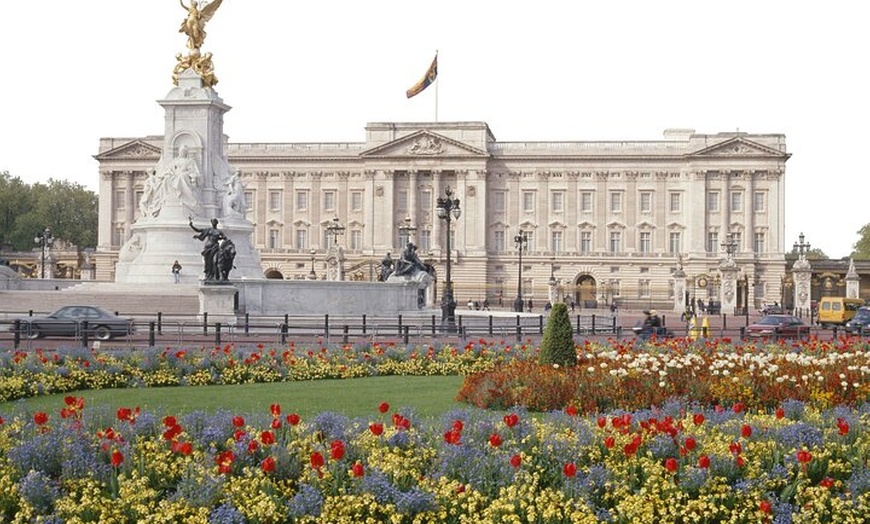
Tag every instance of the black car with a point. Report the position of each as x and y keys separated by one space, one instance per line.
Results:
x=69 y=321
x=860 y=323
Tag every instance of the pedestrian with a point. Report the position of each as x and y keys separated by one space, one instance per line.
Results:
x=176 y=271
x=613 y=309
x=486 y=304
x=573 y=304
x=530 y=305
x=500 y=299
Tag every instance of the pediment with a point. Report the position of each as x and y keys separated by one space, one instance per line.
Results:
x=424 y=144
x=739 y=147
x=133 y=149
x=557 y=224
x=586 y=225
x=645 y=225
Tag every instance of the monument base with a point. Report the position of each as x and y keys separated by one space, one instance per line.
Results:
x=218 y=301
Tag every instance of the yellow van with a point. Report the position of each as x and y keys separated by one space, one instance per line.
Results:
x=836 y=311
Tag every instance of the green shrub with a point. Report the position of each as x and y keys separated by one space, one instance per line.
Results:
x=557 y=346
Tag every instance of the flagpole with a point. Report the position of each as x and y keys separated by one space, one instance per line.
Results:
x=436 y=91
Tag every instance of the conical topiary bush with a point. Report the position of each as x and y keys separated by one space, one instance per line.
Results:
x=557 y=346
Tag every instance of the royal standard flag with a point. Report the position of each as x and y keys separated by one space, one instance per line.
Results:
x=428 y=78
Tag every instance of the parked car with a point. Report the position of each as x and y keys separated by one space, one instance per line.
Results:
x=778 y=326
x=860 y=323
x=69 y=321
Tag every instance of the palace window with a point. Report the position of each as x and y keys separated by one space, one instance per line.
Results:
x=274 y=239
x=646 y=201
x=586 y=202
x=645 y=242
x=274 y=200
x=528 y=201
x=586 y=242
x=713 y=201
x=329 y=200
x=355 y=239
x=498 y=240
x=675 y=201
x=758 y=202
x=498 y=201
x=356 y=200
x=713 y=242
x=616 y=201
x=302 y=201
x=736 y=201
x=558 y=201
x=301 y=239
x=615 y=241
x=556 y=241
x=674 y=242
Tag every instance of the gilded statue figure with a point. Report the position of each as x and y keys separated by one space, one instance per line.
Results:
x=194 y=25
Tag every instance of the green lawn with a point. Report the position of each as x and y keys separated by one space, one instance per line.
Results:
x=353 y=397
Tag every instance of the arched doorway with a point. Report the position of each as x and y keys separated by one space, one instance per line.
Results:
x=274 y=274
x=586 y=291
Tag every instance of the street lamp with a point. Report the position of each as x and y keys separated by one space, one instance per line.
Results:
x=44 y=239
x=334 y=229
x=448 y=209
x=312 y=275
x=406 y=229
x=802 y=247
x=520 y=240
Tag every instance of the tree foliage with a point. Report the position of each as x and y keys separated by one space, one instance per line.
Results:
x=557 y=346
x=67 y=208
x=861 y=249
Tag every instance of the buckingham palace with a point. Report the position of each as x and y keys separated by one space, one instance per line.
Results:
x=605 y=222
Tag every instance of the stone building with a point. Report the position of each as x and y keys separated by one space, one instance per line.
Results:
x=605 y=220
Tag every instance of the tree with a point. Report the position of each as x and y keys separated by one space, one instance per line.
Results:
x=861 y=249
x=557 y=346
x=68 y=209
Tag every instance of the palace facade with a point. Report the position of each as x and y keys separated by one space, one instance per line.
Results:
x=605 y=220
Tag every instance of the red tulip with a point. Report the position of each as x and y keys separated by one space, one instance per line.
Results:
x=169 y=421
x=457 y=425
x=804 y=457
x=690 y=443
x=268 y=464
x=117 y=458
x=225 y=461
x=452 y=437
x=516 y=460
x=780 y=412
x=376 y=428
x=293 y=419
x=704 y=462
x=495 y=440
x=698 y=418
x=337 y=450
x=357 y=470
x=569 y=470
x=843 y=426
x=735 y=448
x=746 y=431
x=383 y=407
x=40 y=418
x=252 y=447
x=275 y=409
x=602 y=422
x=738 y=407
x=238 y=421
x=765 y=506
x=267 y=438
x=239 y=434
x=317 y=460
x=571 y=411
x=511 y=420
x=671 y=464
x=609 y=442
x=827 y=482
x=740 y=461
x=276 y=423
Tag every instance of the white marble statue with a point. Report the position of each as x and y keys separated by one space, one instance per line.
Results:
x=234 y=196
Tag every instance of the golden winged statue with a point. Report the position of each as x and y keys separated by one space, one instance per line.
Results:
x=194 y=25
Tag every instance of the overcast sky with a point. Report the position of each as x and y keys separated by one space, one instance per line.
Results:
x=319 y=70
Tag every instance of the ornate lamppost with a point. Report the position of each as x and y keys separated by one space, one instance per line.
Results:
x=312 y=275
x=448 y=209
x=334 y=229
x=521 y=240
x=44 y=239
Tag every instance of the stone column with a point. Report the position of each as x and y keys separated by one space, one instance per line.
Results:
x=853 y=281
x=801 y=273
x=679 y=290
x=728 y=292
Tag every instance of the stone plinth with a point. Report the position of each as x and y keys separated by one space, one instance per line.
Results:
x=728 y=292
x=218 y=301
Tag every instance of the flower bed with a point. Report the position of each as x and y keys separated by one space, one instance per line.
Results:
x=726 y=442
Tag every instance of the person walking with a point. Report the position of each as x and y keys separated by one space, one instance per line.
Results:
x=176 y=271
